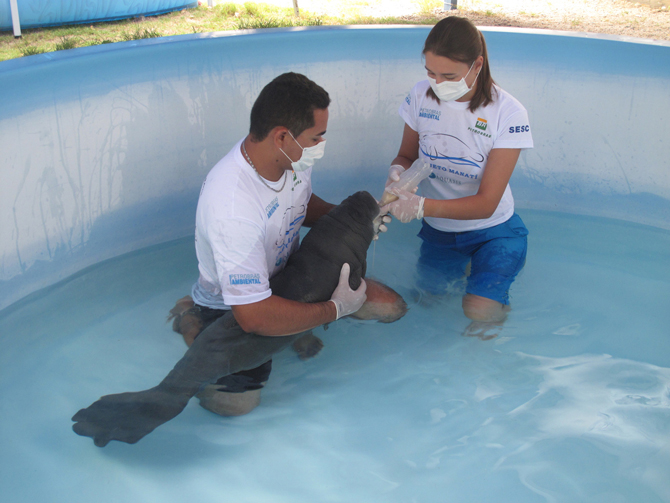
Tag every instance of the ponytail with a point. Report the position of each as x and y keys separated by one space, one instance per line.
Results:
x=458 y=39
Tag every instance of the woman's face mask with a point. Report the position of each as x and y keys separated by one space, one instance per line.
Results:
x=309 y=155
x=450 y=91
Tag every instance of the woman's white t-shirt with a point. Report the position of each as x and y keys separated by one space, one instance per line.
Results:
x=456 y=143
x=245 y=231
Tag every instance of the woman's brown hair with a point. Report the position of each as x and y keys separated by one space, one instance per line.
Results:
x=458 y=39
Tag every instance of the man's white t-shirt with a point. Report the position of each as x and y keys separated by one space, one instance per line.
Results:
x=456 y=143
x=245 y=231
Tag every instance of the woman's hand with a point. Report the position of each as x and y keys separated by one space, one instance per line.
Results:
x=407 y=207
x=379 y=224
x=394 y=174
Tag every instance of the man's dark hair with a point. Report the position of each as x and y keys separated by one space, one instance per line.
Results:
x=288 y=101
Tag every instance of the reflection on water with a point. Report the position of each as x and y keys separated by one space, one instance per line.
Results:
x=623 y=406
x=570 y=402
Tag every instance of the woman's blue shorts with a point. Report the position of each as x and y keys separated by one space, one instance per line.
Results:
x=497 y=255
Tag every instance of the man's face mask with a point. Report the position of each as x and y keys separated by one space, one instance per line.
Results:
x=309 y=155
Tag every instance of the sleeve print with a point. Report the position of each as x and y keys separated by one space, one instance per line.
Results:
x=515 y=132
x=408 y=110
x=240 y=259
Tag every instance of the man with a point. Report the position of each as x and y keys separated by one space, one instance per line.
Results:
x=251 y=208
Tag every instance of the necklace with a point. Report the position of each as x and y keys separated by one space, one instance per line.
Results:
x=259 y=175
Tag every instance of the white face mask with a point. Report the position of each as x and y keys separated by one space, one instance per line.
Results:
x=450 y=91
x=309 y=155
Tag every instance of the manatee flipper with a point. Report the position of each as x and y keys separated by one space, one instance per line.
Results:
x=221 y=349
x=307 y=346
x=128 y=417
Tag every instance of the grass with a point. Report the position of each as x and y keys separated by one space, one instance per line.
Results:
x=222 y=17
x=225 y=15
x=31 y=51
x=141 y=33
x=64 y=44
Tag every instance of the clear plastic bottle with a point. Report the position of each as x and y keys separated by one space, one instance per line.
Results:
x=411 y=178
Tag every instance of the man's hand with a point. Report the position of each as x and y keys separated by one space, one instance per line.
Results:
x=346 y=300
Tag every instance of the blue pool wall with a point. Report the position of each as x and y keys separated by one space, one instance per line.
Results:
x=39 y=13
x=103 y=149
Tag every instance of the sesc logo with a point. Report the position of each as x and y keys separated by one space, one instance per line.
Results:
x=519 y=129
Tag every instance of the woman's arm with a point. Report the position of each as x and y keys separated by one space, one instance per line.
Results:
x=409 y=148
x=483 y=204
x=499 y=169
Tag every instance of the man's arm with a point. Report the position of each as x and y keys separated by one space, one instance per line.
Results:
x=316 y=208
x=278 y=316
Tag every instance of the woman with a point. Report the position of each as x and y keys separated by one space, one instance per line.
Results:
x=471 y=132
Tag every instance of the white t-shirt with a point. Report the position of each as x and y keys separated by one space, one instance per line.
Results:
x=457 y=143
x=245 y=231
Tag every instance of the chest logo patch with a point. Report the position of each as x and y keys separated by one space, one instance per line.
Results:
x=296 y=181
x=429 y=113
x=272 y=207
x=481 y=124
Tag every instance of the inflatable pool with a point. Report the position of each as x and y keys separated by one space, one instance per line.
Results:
x=103 y=153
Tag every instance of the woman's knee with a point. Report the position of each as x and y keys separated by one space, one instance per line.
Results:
x=479 y=308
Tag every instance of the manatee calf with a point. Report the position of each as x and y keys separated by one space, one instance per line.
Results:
x=311 y=275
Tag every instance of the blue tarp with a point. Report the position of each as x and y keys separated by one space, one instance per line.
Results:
x=39 y=13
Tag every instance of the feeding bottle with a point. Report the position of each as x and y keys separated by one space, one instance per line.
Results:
x=409 y=179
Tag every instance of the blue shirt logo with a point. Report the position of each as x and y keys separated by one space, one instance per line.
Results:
x=244 y=279
x=429 y=113
x=519 y=129
x=272 y=207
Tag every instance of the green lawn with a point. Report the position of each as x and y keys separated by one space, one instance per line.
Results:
x=223 y=16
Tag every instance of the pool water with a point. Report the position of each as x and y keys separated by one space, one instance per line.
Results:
x=570 y=403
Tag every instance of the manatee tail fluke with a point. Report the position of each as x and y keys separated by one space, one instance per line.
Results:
x=127 y=417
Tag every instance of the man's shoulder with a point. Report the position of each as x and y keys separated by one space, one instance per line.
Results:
x=228 y=176
x=229 y=165
x=227 y=191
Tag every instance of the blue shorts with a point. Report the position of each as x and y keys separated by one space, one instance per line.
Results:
x=497 y=254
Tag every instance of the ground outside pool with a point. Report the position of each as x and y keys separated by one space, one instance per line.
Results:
x=104 y=150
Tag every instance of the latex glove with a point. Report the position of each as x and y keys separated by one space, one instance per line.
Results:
x=394 y=175
x=346 y=300
x=407 y=207
x=379 y=224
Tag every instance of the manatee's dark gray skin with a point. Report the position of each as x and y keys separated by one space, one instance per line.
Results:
x=311 y=275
